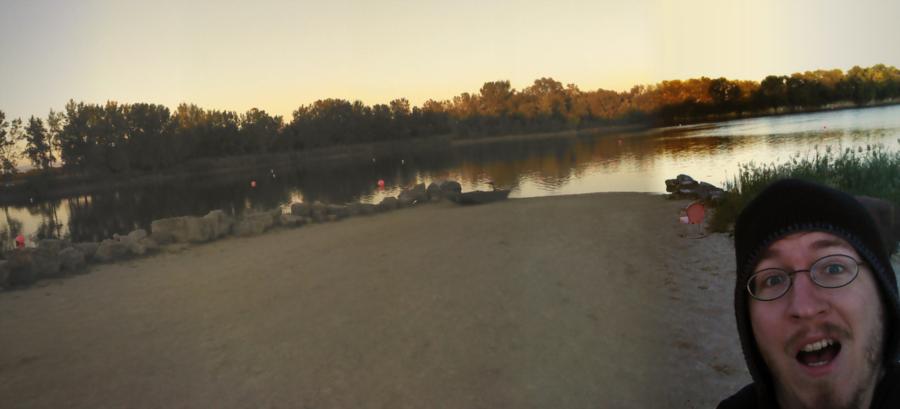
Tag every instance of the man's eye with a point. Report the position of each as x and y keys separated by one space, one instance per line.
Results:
x=835 y=269
x=773 y=281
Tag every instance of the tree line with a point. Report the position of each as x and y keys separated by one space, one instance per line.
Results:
x=115 y=137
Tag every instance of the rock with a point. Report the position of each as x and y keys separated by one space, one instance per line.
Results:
x=87 y=248
x=685 y=179
x=150 y=245
x=717 y=196
x=340 y=211
x=253 y=223
x=301 y=209
x=219 y=223
x=72 y=260
x=19 y=264
x=418 y=194
x=111 y=250
x=4 y=274
x=388 y=203
x=190 y=229
x=276 y=216
x=671 y=185
x=368 y=208
x=318 y=211
x=451 y=189
x=46 y=262
x=290 y=220
x=137 y=235
x=434 y=192
x=53 y=245
x=354 y=209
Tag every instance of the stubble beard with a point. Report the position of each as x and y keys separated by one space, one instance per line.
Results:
x=825 y=395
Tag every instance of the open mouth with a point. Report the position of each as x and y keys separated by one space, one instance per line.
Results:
x=819 y=353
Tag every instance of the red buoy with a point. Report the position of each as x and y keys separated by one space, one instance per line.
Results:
x=252 y=183
x=381 y=183
x=20 y=241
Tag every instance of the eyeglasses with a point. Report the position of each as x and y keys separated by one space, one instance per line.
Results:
x=832 y=271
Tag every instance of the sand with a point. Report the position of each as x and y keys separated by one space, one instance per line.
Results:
x=581 y=301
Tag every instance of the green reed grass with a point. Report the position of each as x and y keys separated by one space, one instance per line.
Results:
x=871 y=171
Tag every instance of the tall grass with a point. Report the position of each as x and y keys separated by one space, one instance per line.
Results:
x=871 y=171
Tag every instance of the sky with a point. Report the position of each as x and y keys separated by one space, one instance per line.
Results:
x=277 y=55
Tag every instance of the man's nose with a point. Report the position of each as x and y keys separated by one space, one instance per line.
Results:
x=806 y=299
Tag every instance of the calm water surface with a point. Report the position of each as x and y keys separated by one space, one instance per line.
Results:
x=637 y=162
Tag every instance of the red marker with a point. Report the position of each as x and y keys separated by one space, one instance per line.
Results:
x=252 y=183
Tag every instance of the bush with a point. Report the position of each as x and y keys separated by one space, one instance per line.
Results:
x=870 y=171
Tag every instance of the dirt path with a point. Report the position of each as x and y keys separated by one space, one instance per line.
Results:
x=562 y=302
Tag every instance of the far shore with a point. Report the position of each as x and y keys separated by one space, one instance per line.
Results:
x=578 y=301
x=55 y=184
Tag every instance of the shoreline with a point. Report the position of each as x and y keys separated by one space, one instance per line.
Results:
x=564 y=301
x=49 y=186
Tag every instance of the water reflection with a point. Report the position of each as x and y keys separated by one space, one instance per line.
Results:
x=625 y=162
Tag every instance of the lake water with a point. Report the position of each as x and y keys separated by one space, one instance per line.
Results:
x=635 y=162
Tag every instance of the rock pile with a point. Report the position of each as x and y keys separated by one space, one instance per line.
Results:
x=55 y=258
x=685 y=187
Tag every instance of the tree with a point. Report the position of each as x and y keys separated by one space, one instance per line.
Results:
x=37 y=144
x=8 y=154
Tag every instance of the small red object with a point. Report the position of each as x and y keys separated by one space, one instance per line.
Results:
x=20 y=241
x=380 y=182
x=252 y=183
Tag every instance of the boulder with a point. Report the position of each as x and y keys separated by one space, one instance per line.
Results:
x=685 y=180
x=19 y=263
x=253 y=223
x=4 y=274
x=219 y=223
x=367 y=208
x=434 y=192
x=46 y=262
x=111 y=250
x=72 y=260
x=356 y=209
x=88 y=249
x=388 y=203
x=451 y=189
x=318 y=211
x=53 y=245
x=339 y=211
x=276 y=216
x=417 y=194
x=149 y=244
x=137 y=235
x=290 y=220
x=301 y=209
x=671 y=185
x=189 y=229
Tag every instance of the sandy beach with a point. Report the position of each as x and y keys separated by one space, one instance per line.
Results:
x=585 y=301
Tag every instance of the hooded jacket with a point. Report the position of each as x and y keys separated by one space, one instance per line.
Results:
x=790 y=206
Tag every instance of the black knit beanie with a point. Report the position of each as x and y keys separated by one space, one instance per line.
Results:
x=789 y=206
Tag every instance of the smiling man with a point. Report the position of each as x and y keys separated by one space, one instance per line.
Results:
x=816 y=302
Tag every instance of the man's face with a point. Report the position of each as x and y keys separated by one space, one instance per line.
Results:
x=789 y=330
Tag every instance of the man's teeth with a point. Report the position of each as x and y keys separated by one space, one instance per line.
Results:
x=815 y=346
